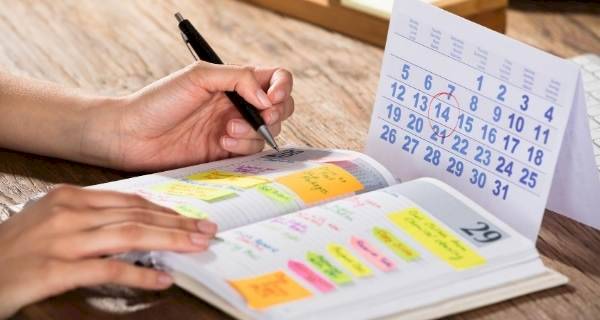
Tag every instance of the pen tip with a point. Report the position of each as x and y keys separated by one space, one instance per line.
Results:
x=179 y=17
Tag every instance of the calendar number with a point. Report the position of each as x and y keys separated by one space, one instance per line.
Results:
x=451 y=89
x=497 y=113
x=398 y=91
x=483 y=156
x=394 y=113
x=460 y=145
x=482 y=233
x=388 y=134
x=456 y=167
x=488 y=133
x=479 y=82
x=478 y=178
x=432 y=155
x=405 y=72
x=427 y=83
x=504 y=166
x=511 y=143
x=549 y=114
x=525 y=103
x=541 y=134
x=516 y=122
x=501 y=93
x=415 y=123
x=410 y=144
x=535 y=155
x=442 y=112
x=438 y=135
x=465 y=122
x=500 y=190
x=421 y=98
x=474 y=102
x=528 y=178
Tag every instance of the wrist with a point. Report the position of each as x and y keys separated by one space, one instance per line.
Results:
x=99 y=137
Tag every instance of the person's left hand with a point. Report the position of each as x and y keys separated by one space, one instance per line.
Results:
x=185 y=118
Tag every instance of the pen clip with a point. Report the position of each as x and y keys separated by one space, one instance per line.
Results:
x=187 y=44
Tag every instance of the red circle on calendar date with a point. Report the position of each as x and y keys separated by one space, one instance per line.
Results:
x=452 y=107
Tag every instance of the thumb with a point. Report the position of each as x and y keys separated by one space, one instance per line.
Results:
x=219 y=78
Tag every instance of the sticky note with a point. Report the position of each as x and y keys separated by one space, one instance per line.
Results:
x=183 y=189
x=232 y=179
x=436 y=238
x=329 y=270
x=271 y=192
x=190 y=211
x=321 y=183
x=396 y=245
x=304 y=272
x=348 y=260
x=269 y=289
x=371 y=254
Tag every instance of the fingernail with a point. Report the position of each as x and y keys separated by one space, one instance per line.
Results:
x=198 y=239
x=273 y=117
x=165 y=280
x=279 y=95
x=228 y=142
x=239 y=128
x=207 y=227
x=263 y=98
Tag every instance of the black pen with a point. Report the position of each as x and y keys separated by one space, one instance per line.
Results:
x=202 y=50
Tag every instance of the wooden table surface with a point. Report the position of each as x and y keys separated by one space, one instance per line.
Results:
x=114 y=47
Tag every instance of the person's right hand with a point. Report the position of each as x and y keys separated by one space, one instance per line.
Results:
x=58 y=243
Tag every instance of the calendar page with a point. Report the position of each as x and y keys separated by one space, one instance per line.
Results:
x=472 y=107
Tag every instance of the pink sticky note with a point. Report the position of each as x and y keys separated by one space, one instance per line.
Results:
x=372 y=255
x=304 y=272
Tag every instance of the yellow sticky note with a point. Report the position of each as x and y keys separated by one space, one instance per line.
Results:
x=348 y=260
x=436 y=238
x=228 y=179
x=398 y=246
x=321 y=183
x=190 y=211
x=274 y=193
x=269 y=289
x=183 y=189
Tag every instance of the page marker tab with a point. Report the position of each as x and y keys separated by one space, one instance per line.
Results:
x=371 y=254
x=321 y=183
x=304 y=272
x=225 y=178
x=396 y=245
x=273 y=193
x=329 y=270
x=348 y=260
x=269 y=289
x=436 y=238
x=190 y=211
x=184 y=189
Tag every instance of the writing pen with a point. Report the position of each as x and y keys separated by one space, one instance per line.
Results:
x=201 y=50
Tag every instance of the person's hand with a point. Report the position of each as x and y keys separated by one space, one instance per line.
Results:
x=58 y=243
x=186 y=118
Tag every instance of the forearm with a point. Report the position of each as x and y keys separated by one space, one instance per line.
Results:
x=43 y=118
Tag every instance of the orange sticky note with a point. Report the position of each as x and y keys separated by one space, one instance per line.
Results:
x=321 y=183
x=269 y=289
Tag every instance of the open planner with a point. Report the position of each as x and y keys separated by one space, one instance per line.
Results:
x=328 y=234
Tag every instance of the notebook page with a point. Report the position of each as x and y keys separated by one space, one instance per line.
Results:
x=240 y=191
x=378 y=245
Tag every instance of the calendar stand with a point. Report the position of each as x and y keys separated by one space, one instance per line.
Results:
x=351 y=18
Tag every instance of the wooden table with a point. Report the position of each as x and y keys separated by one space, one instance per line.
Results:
x=123 y=45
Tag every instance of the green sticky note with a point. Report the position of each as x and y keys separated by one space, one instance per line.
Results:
x=190 y=212
x=326 y=268
x=275 y=194
x=400 y=248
